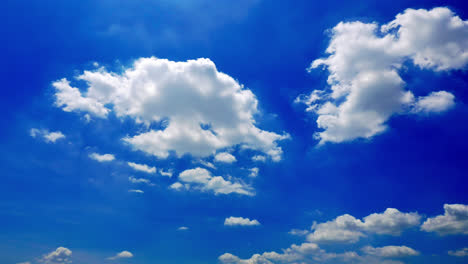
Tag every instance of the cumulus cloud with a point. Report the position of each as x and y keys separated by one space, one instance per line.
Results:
x=435 y=102
x=123 y=254
x=201 y=179
x=142 y=167
x=61 y=255
x=240 y=221
x=225 y=157
x=102 y=157
x=453 y=221
x=347 y=229
x=49 y=137
x=312 y=253
x=366 y=89
x=182 y=228
x=390 y=251
x=206 y=110
x=459 y=253
x=303 y=253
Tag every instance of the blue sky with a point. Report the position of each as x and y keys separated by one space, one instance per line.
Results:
x=246 y=132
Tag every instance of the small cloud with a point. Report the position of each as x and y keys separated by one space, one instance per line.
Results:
x=207 y=164
x=435 y=102
x=240 y=221
x=259 y=158
x=177 y=186
x=49 y=137
x=459 y=253
x=253 y=172
x=140 y=180
x=225 y=157
x=136 y=191
x=142 y=167
x=102 y=158
x=123 y=254
x=201 y=179
x=165 y=173
x=298 y=232
x=182 y=228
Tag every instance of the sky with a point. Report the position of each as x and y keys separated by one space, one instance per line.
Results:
x=234 y=132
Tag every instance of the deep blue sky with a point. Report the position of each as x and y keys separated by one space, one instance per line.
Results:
x=54 y=195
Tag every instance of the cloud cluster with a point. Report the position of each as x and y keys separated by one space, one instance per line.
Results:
x=365 y=86
x=240 y=221
x=61 y=255
x=347 y=229
x=201 y=179
x=311 y=253
x=49 y=137
x=390 y=251
x=453 y=221
x=205 y=110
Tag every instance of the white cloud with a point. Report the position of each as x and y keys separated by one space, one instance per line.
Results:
x=304 y=253
x=135 y=191
x=206 y=164
x=206 y=110
x=166 y=173
x=259 y=158
x=140 y=180
x=183 y=228
x=27 y=262
x=142 y=167
x=225 y=157
x=366 y=89
x=102 y=158
x=435 y=102
x=344 y=229
x=197 y=175
x=177 y=186
x=49 y=137
x=253 y=172
x=347 y=229
x=390 y=222
x=298 y=232
x=459 y=253
x=70 y=99
x=240 y=221
x=311 y=253
x=202 y=179
x=390 y=251
x=454 y=221
x=123 y=254
x=61 y=255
